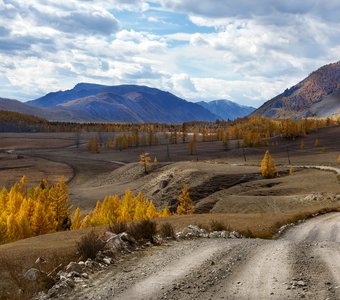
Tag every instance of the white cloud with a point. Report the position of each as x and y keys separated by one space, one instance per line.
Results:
x=253 y=49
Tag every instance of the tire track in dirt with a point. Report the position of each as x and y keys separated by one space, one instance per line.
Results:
x=153 y=275
x=263 y=275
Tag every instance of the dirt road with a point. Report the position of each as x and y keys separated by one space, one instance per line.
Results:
x=304 y=263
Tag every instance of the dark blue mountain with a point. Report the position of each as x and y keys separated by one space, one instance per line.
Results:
x=125 y=103
x=227 y=109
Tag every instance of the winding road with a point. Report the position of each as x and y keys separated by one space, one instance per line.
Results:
x=303 y=263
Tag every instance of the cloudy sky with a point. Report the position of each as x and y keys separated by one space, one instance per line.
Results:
x=244 y=50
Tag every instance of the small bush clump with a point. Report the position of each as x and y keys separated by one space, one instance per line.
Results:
x=166 y=230
x=217 y=226
x=143 y=230
x=118 y=227
x=89 y=245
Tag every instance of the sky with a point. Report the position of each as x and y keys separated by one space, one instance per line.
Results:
x=247 y=51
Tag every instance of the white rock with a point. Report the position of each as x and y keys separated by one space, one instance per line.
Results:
x=107 y=260
x=32 y=274
x=40 y=261
x=73 y=266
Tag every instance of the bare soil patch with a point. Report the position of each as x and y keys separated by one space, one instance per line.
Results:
x=13 y=168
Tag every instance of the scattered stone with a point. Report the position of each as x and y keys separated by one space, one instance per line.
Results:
x=301 y=283
x=32 y=274
x=107 y=260
x=234 y=235
x=73 y=266
x=127 y=238
x=73 y=274
x=40 y=260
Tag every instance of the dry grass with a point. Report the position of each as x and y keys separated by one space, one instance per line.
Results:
x=141 y=231
x=166 y=230
x=56 y=248
x=15 y=286
x=118 y=227
x=89 y=245
x=260 y=225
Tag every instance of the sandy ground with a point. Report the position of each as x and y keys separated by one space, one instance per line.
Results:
x=12 y=169
x=301 y=264
x=97 y=175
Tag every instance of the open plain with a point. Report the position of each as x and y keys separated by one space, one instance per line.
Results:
x=225 y=186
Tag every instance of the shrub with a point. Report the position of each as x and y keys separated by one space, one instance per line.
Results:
x=203 y=226
x=143 y=230
x=217 y=226
x=118 y=227
x=89 y=245
x=248 y=233
x=167 y=231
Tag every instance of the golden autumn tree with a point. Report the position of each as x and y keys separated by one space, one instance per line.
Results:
x=144 y=161
x=268 y=169
x=185 y=207
x=151 y=211
x=59 y=206
x=76 y=219
x=39 y=222
x=3 y=228
x=302 y=144
x=93 y=145
x=193 y=145
x=165 y=213
x=338 y=161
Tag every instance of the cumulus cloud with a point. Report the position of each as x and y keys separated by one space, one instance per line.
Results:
x=248 y=51
x=246 y=9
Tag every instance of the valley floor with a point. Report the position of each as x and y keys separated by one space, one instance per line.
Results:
x=303 y=263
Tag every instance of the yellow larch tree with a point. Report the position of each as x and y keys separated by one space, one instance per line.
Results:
x=76 y=219
x=302 y=144
x=268 y=169
x=13 y=228
x=185 y=206
x=145 y=162
x=58 y=204
x=151 y=212
x=39 y=223
x=111 y=209
x=165 y=213
x=3 y=228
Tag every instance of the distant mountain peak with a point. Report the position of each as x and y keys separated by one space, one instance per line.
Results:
x=86 y=85
x=123 y=103
x=318 y=95
x=227 y=109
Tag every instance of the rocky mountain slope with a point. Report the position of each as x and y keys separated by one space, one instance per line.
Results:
x=318 y=95
x=124 y=103
x=227 y=109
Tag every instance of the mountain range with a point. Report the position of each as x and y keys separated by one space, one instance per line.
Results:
x=316 y=96
x=226 y=109
x=124 y=103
